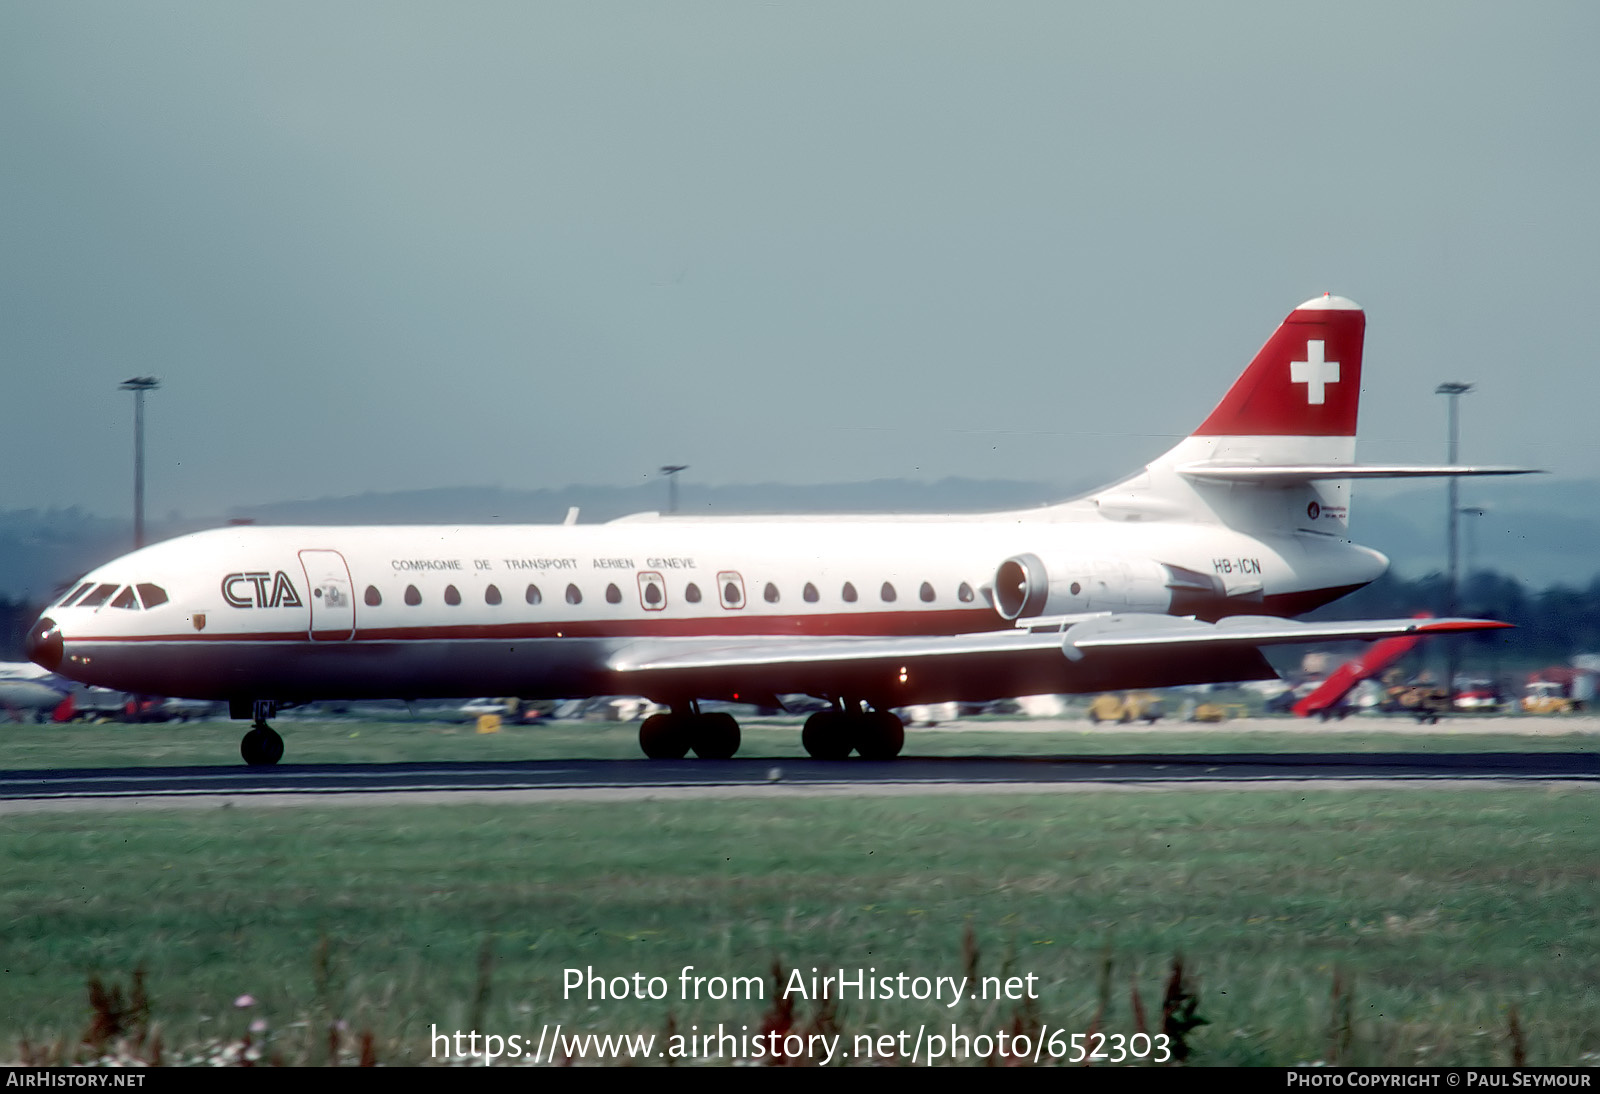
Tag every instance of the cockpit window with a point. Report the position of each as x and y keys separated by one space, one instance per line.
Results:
x=75 y=593
x=101 y=594
x=126 y=599
x=152 y=595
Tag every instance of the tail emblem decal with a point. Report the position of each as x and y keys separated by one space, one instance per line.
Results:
x=1314 y=372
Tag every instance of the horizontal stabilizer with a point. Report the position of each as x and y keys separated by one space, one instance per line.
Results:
x=1289 y=474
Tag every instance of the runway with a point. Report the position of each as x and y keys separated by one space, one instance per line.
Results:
x=905 y=774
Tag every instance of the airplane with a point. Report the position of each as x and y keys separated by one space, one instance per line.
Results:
x=27 y=688
x=1177 y=574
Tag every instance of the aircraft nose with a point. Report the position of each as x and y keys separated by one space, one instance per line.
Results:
x=44 y=644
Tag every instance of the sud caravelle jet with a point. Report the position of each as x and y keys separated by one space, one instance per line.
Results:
x=1175 y=575
x=28 y=689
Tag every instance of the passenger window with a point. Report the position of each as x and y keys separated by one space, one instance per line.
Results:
x=101 y=594
x=491 y=595
x=412 y=596
x=126 y=599
x=731 y=588
x=810 y=593
x=849 y=593
x=652 y=591
x=574 y=595
x=613 y=594
x=452 y=595
x=926 y=592
x=75 y=593
x=692 y=593
x=152 y=595
x=771 y=593
x=532 y=595
x=964 y=594
x=373 y=597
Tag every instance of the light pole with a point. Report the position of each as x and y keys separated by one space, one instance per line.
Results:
x=139 y=385
x=1454 y=389
x=1467 y=552
x=671 y=472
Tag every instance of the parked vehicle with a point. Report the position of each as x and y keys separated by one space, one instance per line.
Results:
x=1132 y=706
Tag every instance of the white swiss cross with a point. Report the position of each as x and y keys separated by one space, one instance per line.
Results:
x=1314 y=372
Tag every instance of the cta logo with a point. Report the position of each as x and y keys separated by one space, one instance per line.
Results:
x=260 y=590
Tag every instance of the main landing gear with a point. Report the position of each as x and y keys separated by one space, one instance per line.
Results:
x=671 y=736
x=834 y=734
x=262 y=747
x=828 y=734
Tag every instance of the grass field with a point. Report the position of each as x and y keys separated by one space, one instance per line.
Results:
x=1385 y=926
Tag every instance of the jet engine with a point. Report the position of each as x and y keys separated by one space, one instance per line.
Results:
x=1026 y=586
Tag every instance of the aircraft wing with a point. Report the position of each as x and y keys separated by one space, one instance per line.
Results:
x=1112 y=632
x=1101 y=653
x=1170 y=632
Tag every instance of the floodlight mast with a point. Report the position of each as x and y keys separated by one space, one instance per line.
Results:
x=1454 y=389
x=139 y=385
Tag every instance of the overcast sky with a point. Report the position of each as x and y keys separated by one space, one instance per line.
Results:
x=388 y=246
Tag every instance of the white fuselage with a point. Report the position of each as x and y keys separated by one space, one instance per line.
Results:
x=298 y=613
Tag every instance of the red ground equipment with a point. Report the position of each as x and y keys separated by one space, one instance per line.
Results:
x=1331 y=692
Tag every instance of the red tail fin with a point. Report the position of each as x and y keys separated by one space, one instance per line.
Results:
x=1305 y=382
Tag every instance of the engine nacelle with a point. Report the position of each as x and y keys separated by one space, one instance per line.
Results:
x=1026 y=586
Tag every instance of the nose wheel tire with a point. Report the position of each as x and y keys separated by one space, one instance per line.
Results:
x=261 y=747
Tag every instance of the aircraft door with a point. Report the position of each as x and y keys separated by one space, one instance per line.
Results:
x=333 y=602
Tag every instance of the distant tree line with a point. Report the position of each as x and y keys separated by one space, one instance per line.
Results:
x=1552 y=624
x=16 y=616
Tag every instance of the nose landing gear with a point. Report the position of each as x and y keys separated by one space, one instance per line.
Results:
x=262 y=747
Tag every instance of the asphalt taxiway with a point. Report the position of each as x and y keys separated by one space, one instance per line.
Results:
x=907 y=773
